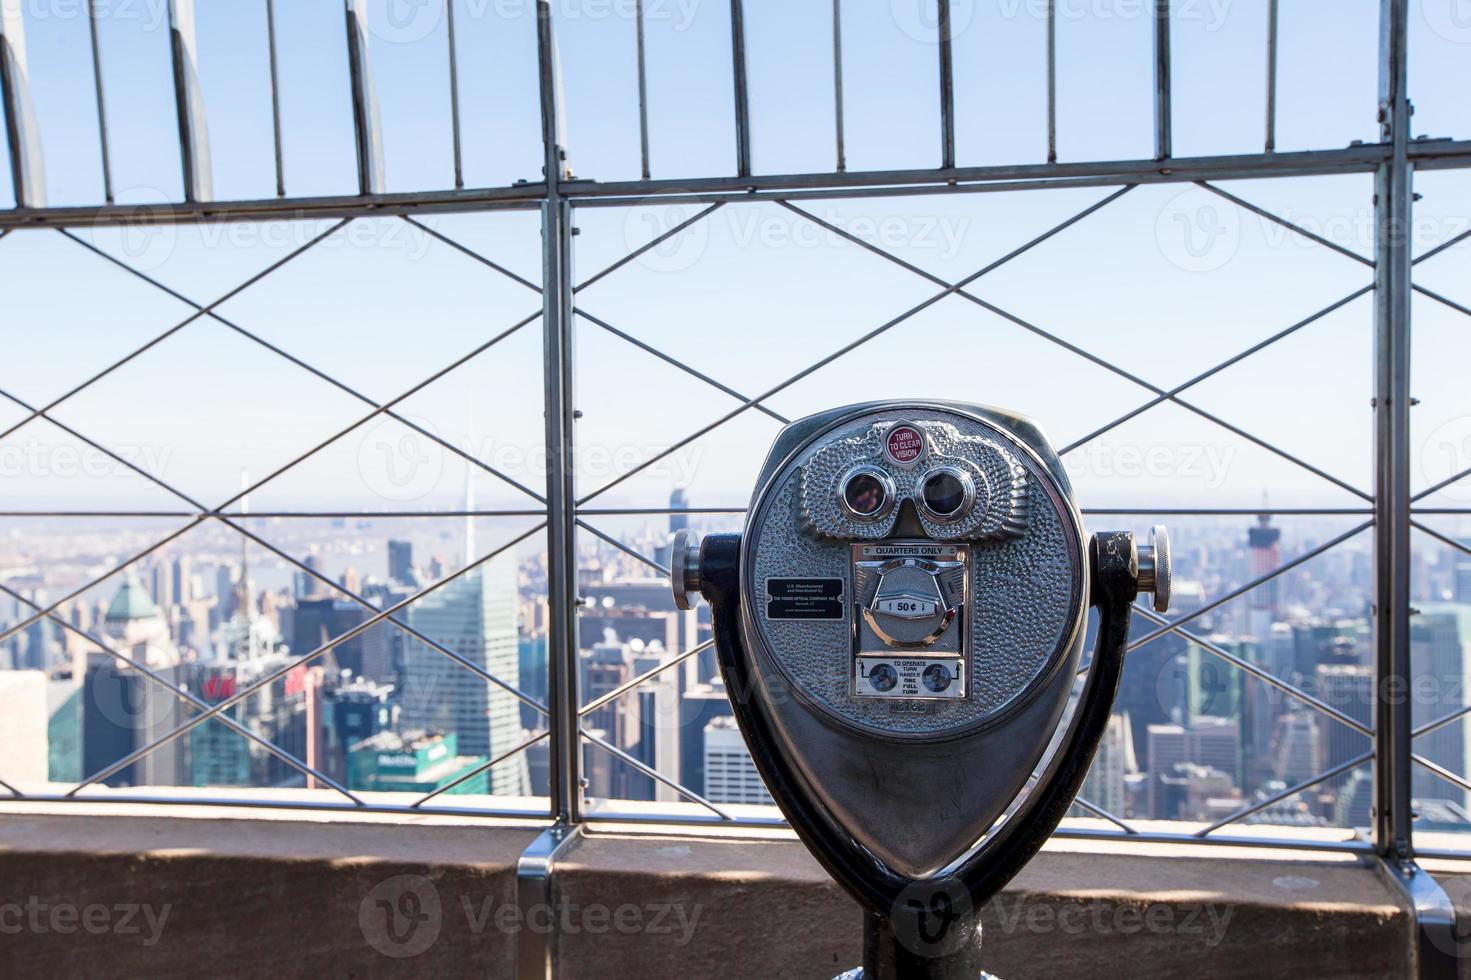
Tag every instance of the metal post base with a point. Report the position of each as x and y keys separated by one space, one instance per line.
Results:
x=941 y=949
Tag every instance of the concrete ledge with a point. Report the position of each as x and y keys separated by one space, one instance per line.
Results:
x=143 y=892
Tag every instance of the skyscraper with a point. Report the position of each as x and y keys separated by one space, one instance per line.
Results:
x=401 y=562
x=475 y=616
x=730 y=775
x=1265 y=600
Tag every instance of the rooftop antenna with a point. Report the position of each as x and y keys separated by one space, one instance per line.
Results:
x=245 y=596
x=470 y=555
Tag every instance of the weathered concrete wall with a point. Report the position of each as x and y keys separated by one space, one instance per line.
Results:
x=162 y=896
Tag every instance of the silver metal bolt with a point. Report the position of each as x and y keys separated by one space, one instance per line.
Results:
x=684 y=568
x=1156 y=568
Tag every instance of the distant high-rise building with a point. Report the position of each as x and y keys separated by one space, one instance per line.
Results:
x=730 y=775
x=1438 y=641
x=401 y=562
x=23 y=727
x=414 y=762
x=1297 y=749
x=1210 y=742
x=123 y=709
x=1113 y=761
x=1264 y=600
x=475 y=616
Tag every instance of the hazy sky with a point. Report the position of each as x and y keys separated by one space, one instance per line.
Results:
x=1163 y=282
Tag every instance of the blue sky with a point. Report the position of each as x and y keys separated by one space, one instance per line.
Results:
x=1164 y=281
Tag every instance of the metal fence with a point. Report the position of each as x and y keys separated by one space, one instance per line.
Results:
x=564 y=511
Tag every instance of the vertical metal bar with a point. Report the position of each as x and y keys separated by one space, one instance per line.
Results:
x=365 y=123
x=454 y=92
x=275 y=97
x=1271 y=75
x=556 y=236
x=189 y=103
x=1051 y=81
x=101 y=102
x=838 y=83
x=1392 y=209
x=643 y=92
x=1162 y=110
x=742 y=97
x=27 y=165
x=947 y=85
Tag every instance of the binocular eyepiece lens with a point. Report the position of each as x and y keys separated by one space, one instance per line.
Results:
x=866 y=494
x=945 y=493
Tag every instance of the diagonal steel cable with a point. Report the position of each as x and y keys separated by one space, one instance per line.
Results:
x=1079 y=351
x=115 y=457
x=1441 y=771
x=623 y=547
x=483 y=767
x=367 y=604
x=1097 y=810
x=472 y=253
x=409 y=393
x=1173 y=625
x=655 y=242
x=10 y=631
x=1319 y=239
x=1266 y=677
x=294 y=253
x=1291 y=226
x=189 y=698
x=274 y=675
x=858 y=342
x=1434 y=488
x=1444 y=300
x=653 y=774
x=12 y=790
x=1278 y=797
x=479 y=257
x=215 y=512
x=634 y=682
x=1218 y=368
x=1447 y=244
x=670 y=359
x=281 y=352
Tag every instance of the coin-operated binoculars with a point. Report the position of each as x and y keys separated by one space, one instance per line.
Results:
x=900 y=628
